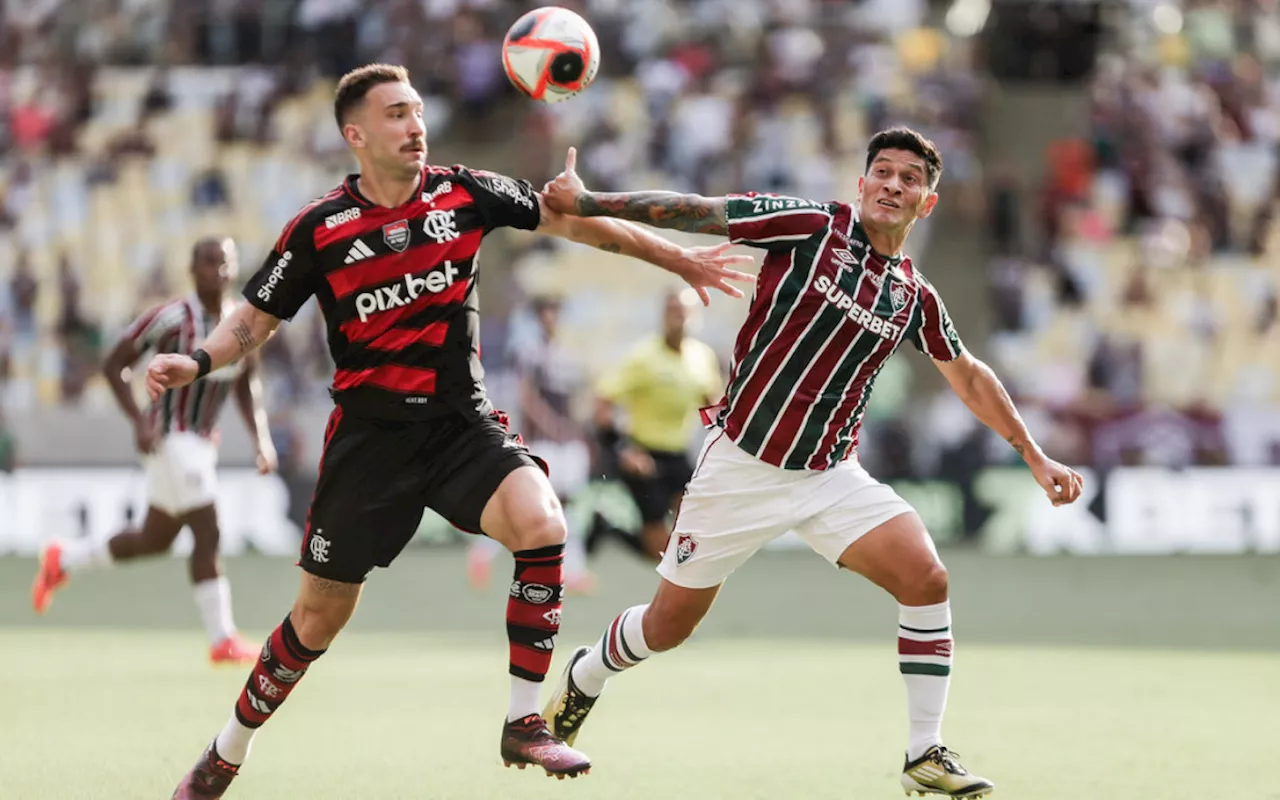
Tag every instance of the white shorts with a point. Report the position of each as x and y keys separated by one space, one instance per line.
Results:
x=182 y=474
x=569 y=464
x=737 y=503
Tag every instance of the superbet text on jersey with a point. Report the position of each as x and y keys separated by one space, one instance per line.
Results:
x=397 y=287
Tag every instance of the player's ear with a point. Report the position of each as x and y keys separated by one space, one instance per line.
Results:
x=354 y=136
x=929 y=203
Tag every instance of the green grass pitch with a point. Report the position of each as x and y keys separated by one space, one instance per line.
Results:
x=757 y=706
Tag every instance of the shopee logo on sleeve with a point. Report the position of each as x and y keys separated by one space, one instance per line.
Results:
x=275 y=276
x=403 y=293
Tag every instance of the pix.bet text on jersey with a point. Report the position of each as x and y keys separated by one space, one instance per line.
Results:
x=397 y=287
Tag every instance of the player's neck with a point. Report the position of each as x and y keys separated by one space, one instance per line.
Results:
x=886 y=243
x=210 y=302
x=387 y=191
x=674 y=342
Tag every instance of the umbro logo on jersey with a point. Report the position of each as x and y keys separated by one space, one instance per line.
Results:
x=359 y=252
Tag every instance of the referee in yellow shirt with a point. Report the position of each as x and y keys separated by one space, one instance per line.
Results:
x=659 y=389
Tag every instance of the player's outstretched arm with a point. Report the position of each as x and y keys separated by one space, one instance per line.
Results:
x=977 y=385
x=243 y=331
x=702 y=268
x=691 y=213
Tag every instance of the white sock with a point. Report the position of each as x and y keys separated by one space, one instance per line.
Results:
x=924 y=659
x=524 y=698
x=85 y=552
x=621 y=647
x=213 y=598
x=234 y=741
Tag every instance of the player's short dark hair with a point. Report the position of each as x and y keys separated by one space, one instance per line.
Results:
x=903 y=138
x=201 y=244
x=356 y=84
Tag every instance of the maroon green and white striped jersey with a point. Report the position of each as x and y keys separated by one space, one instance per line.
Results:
x=827 y=313
x=181 y=326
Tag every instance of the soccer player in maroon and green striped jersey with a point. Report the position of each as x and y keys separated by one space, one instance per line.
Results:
x=834 y=300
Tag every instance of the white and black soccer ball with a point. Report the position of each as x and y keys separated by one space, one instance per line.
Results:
x=551 y=54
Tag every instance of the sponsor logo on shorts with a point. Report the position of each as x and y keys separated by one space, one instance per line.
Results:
x=685 y=548
x=319 y=547
x=268 y=688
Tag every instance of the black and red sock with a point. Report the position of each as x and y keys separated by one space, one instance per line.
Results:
x=533 y=610
x=283 y=663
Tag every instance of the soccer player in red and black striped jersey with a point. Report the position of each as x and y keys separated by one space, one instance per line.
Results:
x=175 y=438
x=834 y=300
x=390 y=255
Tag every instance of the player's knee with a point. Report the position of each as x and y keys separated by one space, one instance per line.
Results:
x=930 y=586
x=544 y=530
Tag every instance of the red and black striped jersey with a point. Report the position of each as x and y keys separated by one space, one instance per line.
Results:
x=397 y=287
x=181 y=326
x=827 y=313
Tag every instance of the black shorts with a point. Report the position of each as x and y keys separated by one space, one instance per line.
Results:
x=377 y=476
x=656 y=494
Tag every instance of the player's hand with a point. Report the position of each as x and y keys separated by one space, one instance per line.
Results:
x=1061 y=483
x=561 y=194
x=634 y=461
x=268 y=460
x=145 y=436
x=170 y=371
x=711 y=267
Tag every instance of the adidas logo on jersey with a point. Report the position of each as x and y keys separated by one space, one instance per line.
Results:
x=359 y=252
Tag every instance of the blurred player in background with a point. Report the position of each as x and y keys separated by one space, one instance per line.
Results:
x=391 y=257
x=835 y=299
x=658 y=389
x=549 y=378
x=177 y=442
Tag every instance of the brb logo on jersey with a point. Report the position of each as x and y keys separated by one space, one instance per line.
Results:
x=402 y=294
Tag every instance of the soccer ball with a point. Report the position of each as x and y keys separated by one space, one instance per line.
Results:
x=551 y=54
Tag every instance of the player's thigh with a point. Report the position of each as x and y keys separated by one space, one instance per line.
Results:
x=864 y=526
x=203 y=523
x=733 y=506
x=367 y=502
x=486 y=481
x=160 y=528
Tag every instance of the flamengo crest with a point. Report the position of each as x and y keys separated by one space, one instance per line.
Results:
x=396 y=235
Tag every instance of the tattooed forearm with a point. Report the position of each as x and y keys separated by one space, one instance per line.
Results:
x=611 y=247
x=1017 y=446
x=684 y=212
x=244 y=336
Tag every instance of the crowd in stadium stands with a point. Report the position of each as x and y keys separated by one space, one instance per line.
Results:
x=1140 y=314
x=1134 y=317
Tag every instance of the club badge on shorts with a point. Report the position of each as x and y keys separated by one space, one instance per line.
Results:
x=685 y=548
